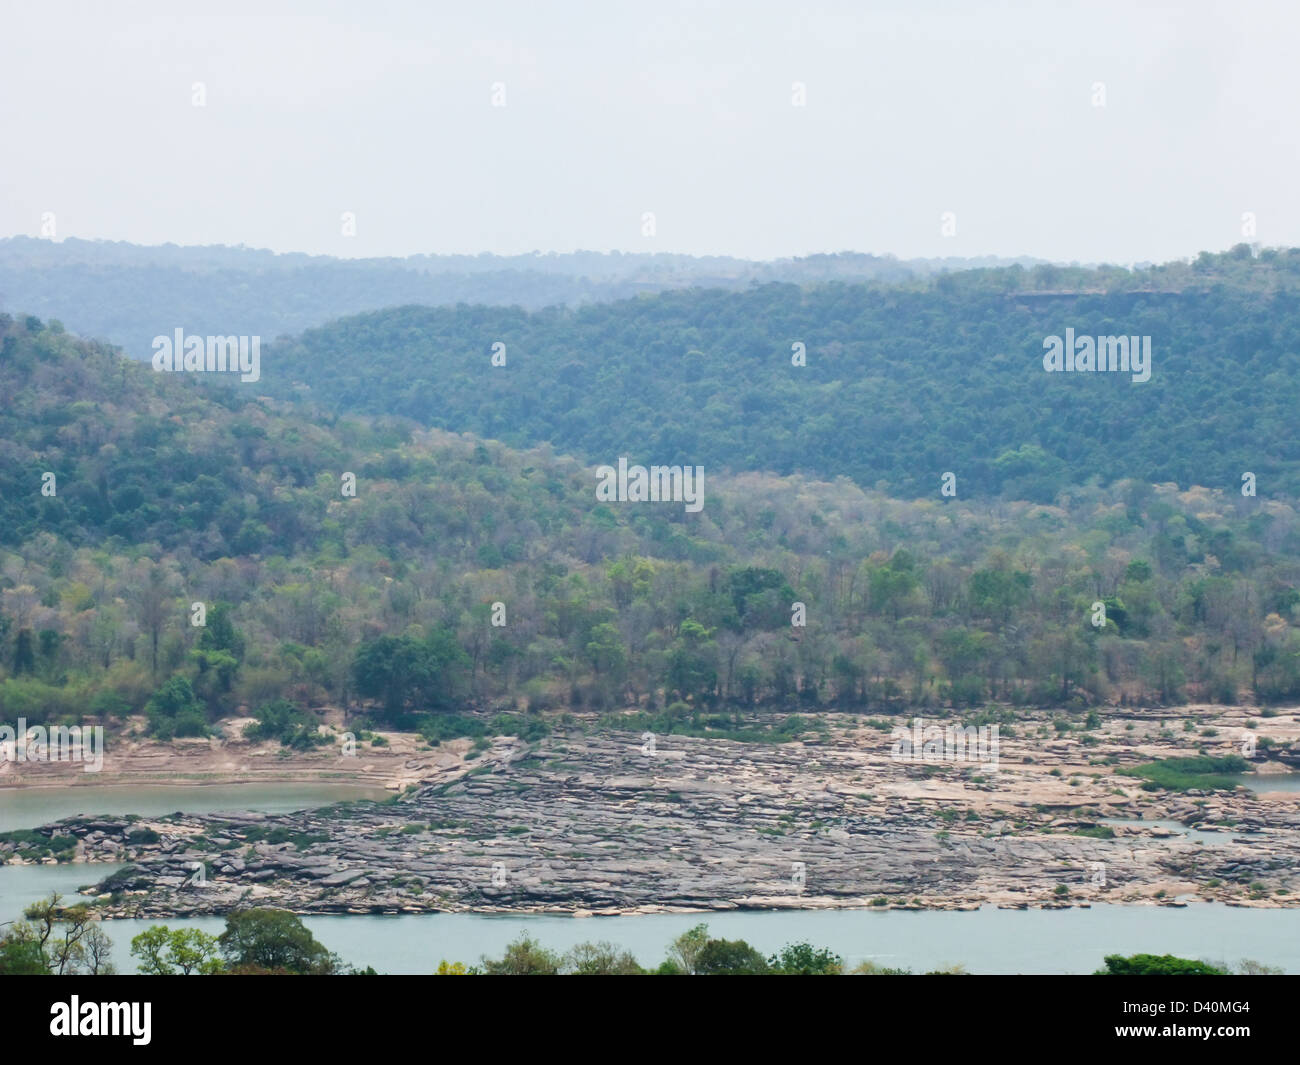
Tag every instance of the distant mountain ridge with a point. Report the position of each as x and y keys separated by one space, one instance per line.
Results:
x=128 y=294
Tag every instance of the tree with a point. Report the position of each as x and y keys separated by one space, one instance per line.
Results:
x=219 y=633
x=24 y=653
x=404 y=673
x=606 y=651
x=60 y=940
x=154 y=604
x=163 y=951
x=601 y=959
x=997 y=593
x=685 y=949
x=891 y=588
x=274 y=940
x=21 y=956
x=174 y=710
x=281 y=720
x=524 y=957
x=760 y=597
x=803 y=959
x=732 y=957
x=692 y=661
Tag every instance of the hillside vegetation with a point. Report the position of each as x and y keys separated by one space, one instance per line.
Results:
x=175 y=491
x=902 y=383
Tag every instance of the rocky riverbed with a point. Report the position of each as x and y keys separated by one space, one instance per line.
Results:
x=602 y=823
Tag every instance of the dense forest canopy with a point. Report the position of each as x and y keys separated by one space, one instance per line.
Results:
x=902 y=383
x=467 y=573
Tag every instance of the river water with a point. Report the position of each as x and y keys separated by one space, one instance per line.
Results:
x=29 y=807
x=988 y=940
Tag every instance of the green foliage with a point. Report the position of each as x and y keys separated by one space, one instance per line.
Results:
x=684 y=952
x=57 y=940
x=1157 y=965
x=620 y=609
x=281 y=720
x=273 y=940
x=600 y=959
x=174 y=710
x=803 y=959
x=22 y=957
x=867 y=408
x=524 y=957
x=730 y=957
x=1181 y=774
x=409 y=675
x=34 y=846
x=162 y=951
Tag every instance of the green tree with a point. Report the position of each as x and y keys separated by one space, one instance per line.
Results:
x=803 y=959
x=273 y=940
x=600 y=959
x=1157 y=965
x=174 y=710
x=64 y=940
x=524 y=957
x=684 y=952
x=732 y=957
x=405 y=674
x=164 y=951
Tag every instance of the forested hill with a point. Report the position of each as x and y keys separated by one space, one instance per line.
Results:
x=902 y=383
x=172 y=489
x=139 y=457
x=128 y=294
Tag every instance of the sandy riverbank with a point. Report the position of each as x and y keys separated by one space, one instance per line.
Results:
x=227 y=758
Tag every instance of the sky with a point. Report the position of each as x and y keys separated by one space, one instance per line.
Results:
x=1087 y=132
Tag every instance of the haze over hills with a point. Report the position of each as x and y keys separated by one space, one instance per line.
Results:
x=128 y=294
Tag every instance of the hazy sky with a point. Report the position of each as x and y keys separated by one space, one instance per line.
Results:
x=913 y=108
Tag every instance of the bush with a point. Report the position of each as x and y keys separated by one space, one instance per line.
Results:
x=1156 y=965
x=524 y=957
x=174 y=710
x=803 y=959
x=601 y=959
x=732 y=957
x=1180 y=774
x=281 y=720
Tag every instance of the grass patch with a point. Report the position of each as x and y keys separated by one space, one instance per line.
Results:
x=1182 y=774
